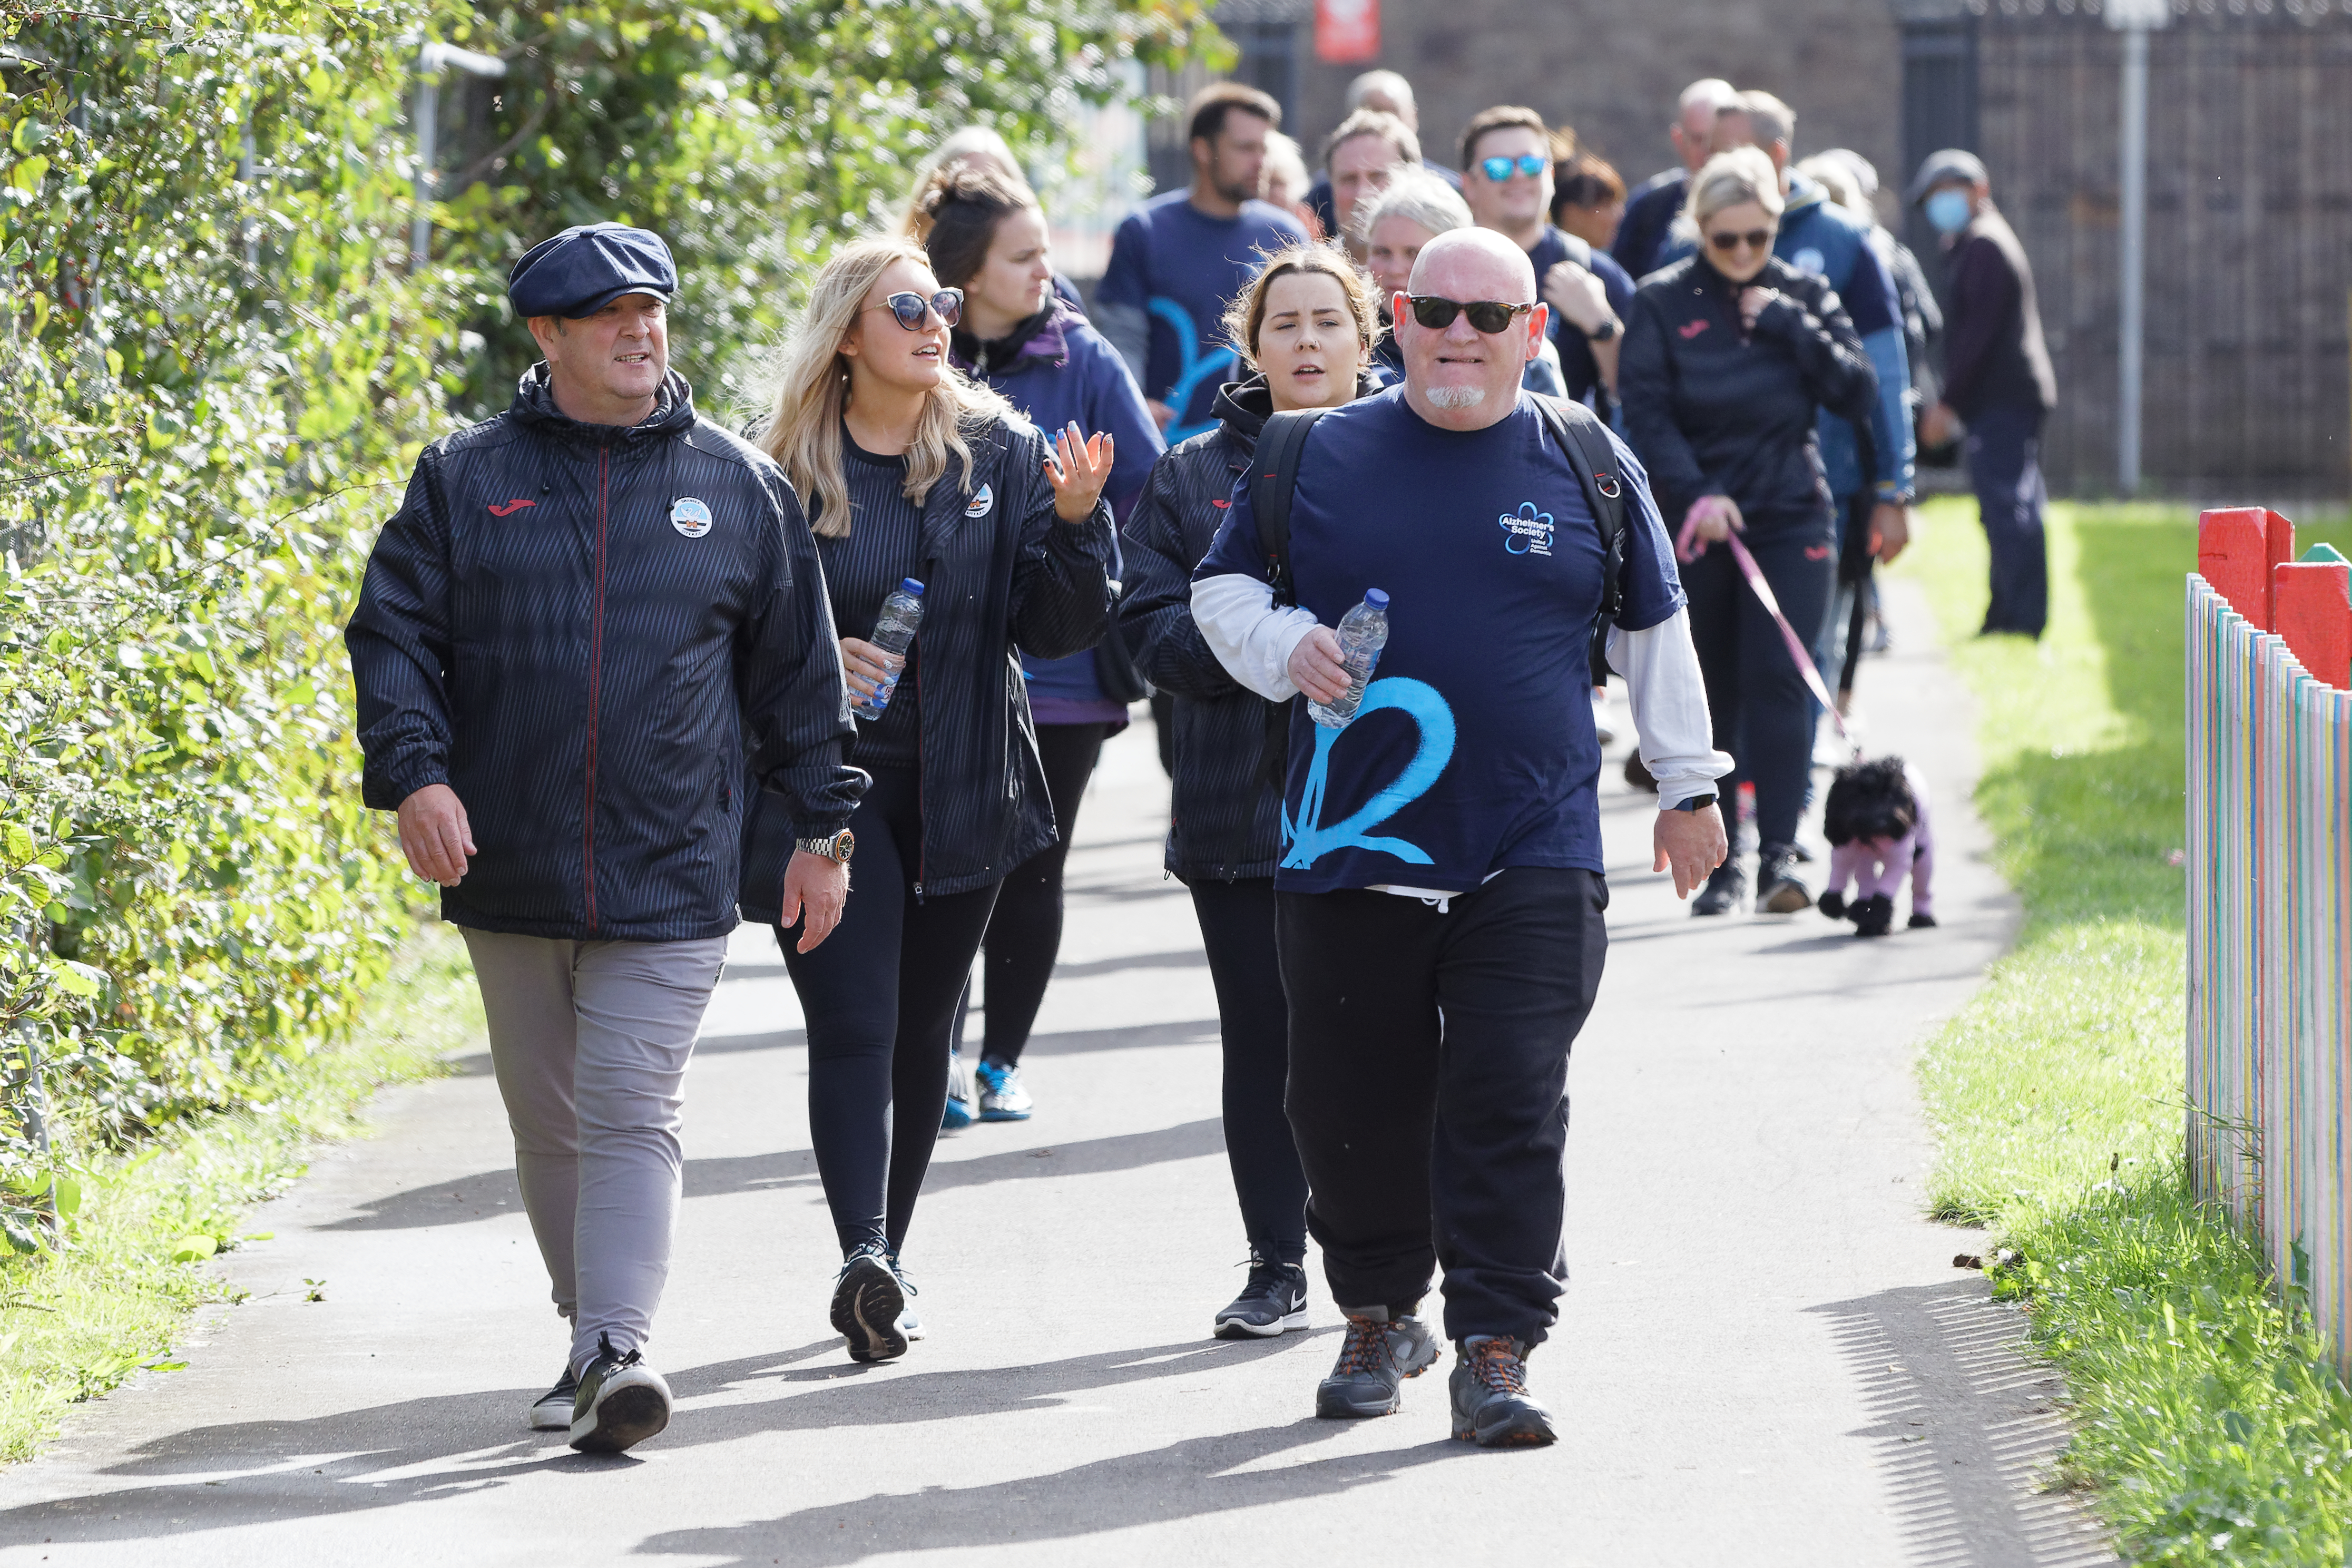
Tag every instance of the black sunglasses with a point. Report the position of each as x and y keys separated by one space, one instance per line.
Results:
x=1489 y=316
x=910 y=307
x=1755 y=239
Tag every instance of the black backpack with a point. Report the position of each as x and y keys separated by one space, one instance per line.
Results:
x=1273 y=476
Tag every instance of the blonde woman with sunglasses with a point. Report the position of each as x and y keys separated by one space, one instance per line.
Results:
x=1730 y=353
x=911 y=472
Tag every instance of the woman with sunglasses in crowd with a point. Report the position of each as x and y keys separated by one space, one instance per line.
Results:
x=1304 y=328
x=909 y=471
x=1728 y=355
x=986 y=235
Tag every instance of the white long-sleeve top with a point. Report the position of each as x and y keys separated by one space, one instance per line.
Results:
x=1253 y=640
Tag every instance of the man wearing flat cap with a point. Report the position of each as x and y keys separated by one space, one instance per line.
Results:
x=587 y=614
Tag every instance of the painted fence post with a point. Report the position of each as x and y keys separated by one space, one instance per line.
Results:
x=2269 y=861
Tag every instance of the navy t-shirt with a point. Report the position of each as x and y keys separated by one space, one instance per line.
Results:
x=1182 y=268
x=1576 y=360
x=1474 y=749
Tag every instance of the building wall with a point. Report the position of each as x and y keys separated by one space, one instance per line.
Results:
x=2249 y=232
x=1612 y=69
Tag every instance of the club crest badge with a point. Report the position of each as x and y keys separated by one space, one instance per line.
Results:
x=982 y=499
x=689 y=517
x=1527 y=531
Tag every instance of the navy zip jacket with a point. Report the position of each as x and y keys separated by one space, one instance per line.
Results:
x=1224 y=819
x=1713 y=410
x=1001 y=575
x=583 y=630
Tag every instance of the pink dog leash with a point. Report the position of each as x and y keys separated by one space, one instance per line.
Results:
x=1755 y=575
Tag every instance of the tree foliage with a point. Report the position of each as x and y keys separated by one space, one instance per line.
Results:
x=216 y=369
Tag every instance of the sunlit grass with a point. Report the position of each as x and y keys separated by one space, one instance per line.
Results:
x=74 y=1325
x=2209 y=1424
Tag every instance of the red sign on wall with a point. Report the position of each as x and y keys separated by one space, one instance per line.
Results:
x=1347 y=32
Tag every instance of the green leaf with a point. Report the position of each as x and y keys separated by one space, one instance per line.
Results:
x=78 y=979
x=66 y=1192
x=29 y=133
x=194 y=1248
x=26 y=174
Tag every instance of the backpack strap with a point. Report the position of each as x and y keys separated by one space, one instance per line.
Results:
x=1273 y=476
x=1594 y=457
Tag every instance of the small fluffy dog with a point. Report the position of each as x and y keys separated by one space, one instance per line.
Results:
x=1879 y=829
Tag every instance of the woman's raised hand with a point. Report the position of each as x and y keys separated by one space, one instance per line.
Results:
x=1078 y=466
x=1710 y=521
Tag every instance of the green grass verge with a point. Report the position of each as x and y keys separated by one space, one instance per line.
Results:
x=2208 y=1423
x=76 y=1322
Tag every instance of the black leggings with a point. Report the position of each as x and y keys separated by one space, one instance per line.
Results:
x=1024 y=934
x=879 y=994
x=1237 y=923
x=1763 y=712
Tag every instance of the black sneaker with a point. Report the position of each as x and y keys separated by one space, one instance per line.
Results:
x=866 y=1303
x=1492 y=1407
x=1375 y=1359
x=621 y=1403
x=1778 y=890
x=1274 y=1302
x=552 y=1411
x=1726 y=890
x=908 y=1323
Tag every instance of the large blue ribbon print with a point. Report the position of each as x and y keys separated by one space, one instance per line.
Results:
x=1197 y=367
x=1309 y=840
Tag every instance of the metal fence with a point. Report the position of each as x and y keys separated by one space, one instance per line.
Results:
x=2270 y=933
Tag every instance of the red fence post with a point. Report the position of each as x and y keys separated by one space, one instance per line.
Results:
x=2311 y=601
x=2236 y=549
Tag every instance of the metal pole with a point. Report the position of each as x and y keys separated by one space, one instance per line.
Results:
x=428 y=120
x=2134 y=259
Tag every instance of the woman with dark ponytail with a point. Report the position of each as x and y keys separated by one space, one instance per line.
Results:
x=986 y=235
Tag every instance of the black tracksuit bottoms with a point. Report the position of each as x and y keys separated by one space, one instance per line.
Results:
x=1025 y=933
x=1428 y=1087
x=879 y=995
x=1237 y=923
x=1764 y=713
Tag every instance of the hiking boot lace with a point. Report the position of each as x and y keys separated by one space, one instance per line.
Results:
x=1493 y=1363
x=1366 y=1347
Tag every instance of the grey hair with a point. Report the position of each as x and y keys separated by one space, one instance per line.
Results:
x=1286 y=162
x=1418 y=197
x=1712 y=93
x=1836 y=176
x=1387 y=83
x=1728 y=179
x=1769 y=119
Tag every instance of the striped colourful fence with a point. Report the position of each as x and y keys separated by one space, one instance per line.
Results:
x=2270 y=899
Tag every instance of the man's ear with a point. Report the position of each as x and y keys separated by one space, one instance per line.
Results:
x=544 y=332
x=1538 y=319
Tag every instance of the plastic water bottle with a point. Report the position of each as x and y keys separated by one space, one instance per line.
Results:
x=894 y=632
x=1363 y=632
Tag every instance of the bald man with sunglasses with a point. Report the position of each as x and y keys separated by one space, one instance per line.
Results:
x=1441 y=892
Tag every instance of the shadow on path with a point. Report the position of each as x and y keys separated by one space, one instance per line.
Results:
x=488 y=1194
x=1969 y=1428
x=1182 y=1480
x=256 y=1472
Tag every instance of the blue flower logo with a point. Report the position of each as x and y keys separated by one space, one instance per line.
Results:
x=1527 y=531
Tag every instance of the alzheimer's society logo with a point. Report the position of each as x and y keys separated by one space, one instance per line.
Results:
x=1527 y=531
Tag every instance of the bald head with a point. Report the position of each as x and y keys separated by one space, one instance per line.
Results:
x=1474 y=264
x=1693 y=133
x=1455 y=376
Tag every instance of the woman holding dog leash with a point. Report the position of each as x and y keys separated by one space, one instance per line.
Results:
x=1728 y=355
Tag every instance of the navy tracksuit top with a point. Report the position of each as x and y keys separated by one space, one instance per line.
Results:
x=584 y=630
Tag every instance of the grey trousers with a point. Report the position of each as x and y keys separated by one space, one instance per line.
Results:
x=590 y=1041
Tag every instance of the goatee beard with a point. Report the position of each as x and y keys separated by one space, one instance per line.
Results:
x=1456 y=396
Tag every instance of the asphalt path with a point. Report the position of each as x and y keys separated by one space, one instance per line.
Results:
x=1767 y=1355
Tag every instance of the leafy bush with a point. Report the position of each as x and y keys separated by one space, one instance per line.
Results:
x=216 y=370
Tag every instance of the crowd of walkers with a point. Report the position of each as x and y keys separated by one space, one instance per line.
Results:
x=627 y=675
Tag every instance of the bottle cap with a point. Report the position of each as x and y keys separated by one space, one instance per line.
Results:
x=1376 y=599
x=911 y=587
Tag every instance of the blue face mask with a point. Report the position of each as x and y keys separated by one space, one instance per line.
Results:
x=1947 y=211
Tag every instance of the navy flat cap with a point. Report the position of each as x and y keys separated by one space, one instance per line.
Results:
x=584 y=269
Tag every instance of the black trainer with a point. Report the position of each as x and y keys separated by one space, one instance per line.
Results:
x=1378 y=1354
x=621 y=1403
x=552 y=1411
x=1492 y=1407
x=1778 y=891
x=867 y=1304
x=1274 y=1302
x=1727 y=887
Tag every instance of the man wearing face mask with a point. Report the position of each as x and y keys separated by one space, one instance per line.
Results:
x=1997 y=381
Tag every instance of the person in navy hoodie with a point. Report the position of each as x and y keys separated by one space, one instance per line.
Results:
x=986 y=235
